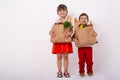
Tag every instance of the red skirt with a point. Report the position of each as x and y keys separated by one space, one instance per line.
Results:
x=62 y=48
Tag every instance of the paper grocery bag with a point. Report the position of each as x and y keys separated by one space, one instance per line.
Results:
x=86 y=37
x=60 y=34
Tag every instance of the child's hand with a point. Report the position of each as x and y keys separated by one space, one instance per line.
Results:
x=67 y=34
x=52 y=34
x=94 y=33
x=76 y=41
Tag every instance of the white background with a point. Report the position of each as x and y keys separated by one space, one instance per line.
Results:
x=25 y=49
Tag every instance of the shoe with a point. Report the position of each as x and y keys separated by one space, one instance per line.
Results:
x=82 y=74
x=59 y=75
x=66 y=74
x=90 y=74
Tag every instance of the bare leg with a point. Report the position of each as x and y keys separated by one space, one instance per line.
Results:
x=59 y=62
x=66 y=62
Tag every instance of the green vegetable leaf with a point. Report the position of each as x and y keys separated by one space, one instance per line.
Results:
x=67 y=24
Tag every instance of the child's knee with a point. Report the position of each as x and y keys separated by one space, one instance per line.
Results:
x=59 y=57
x=65 y=56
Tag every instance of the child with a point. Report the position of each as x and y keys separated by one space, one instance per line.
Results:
x=84 y=53
x=62 y=49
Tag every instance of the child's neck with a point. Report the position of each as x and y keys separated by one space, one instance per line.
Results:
x=84 y=23
x=62 y=19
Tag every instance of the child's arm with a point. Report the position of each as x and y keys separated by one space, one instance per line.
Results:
x=94 y=34
x=76 y=41
x=52 y=32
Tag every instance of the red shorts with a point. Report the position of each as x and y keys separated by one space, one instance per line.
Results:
x=62 y=48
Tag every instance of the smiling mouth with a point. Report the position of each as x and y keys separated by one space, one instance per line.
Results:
x=83 y=21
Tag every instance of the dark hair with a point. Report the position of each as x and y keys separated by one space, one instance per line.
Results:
x=84 y=14
x=62 y=7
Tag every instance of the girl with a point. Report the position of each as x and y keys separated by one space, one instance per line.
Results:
x=62 y=49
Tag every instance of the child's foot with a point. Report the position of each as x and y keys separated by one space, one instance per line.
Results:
x=82 y=74
x=66 y=74
x=59 y=75
x=90 y=74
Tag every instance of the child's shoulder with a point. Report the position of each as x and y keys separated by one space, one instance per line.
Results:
x=57 y=22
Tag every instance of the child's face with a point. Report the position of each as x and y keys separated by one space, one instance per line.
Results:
x=83 y=20
x=62 y=13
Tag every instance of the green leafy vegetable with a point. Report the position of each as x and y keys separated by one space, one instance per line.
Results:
x=67 y=24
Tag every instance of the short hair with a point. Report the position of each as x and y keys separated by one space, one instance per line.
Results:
x=84 y=14
x=62 y=7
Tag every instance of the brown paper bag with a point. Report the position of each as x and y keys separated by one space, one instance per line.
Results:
x=86 y=37
x=59 y=34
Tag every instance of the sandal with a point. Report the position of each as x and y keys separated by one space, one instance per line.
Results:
x=59 y=75
x=66 y=74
